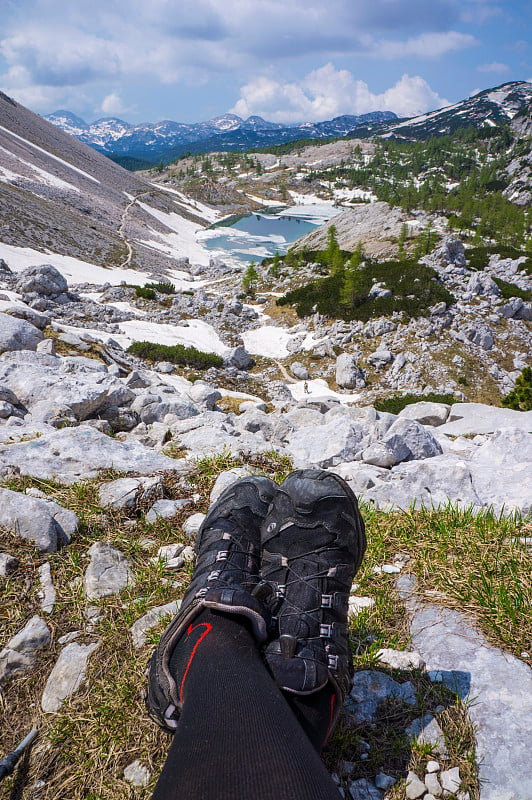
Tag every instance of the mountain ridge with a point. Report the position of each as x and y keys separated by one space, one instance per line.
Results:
x=152 y=140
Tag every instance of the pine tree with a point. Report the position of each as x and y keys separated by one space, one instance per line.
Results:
x=250 y=277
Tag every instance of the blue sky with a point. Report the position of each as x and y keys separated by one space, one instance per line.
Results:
x=286 y=60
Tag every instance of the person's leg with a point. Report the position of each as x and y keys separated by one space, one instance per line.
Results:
x=236 y=738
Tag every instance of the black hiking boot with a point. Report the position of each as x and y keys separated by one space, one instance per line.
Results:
x=313 y=541
x=226 y=578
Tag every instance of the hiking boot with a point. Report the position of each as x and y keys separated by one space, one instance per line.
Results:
x=226 y=578
x=313 y=541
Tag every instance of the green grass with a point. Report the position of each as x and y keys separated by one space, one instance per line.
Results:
x=414 y=289
x=175 y=354
x=396 y=403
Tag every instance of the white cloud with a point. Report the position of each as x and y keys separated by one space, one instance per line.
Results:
x=427 y=45
x=495 y=67
x=328 y=92
x=113 y=104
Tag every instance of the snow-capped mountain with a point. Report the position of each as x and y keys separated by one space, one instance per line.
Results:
x=491 y=107
x=168 y=139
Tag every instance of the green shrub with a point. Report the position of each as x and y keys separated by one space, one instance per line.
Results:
x=145 y=292
x=520 y=398
x=175 y=354
x=164 y=287
x=395 y=404
x=345 y=295
x=478 y=257
x=511 y=290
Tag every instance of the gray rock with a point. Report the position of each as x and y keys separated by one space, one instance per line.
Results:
x=370 y=688
x=432 y=766
x=480 y=336
x=433 y=785
x=67 y=675
x=362 y=789
x=127 y=493
x=431 y=482
x=450 y=780
x=44 y=280
x=204 y=394
x=51 y=413
x=501 y=471
x=299 y=371
x=166 y=509
x=47 y=346
x=414 y=787
x=400 y=659
x=47 y=592
x=8 y=564
x=22 y=311
x=17 y=334
x=192 y=525
x=379 y=454
x=226 y=479
x=108 y=572
x=426 y=730
x=327 y=445
x=69 y=382
x=165 y=367
x=482 y=284
x=140 y=628
x=426 y=413
x=360 y=476
x=239 y=358
x=120 y=419
x=20 y=653
x=384 y=782
x=43 y=522
x=72 y=454
x=501 y=684
x=468 y=418
x=380 y=358
x=348 y=373
x=408 y=441
x=137 y=774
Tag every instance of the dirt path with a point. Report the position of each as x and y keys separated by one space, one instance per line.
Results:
x=121 y=231
x=285 y=373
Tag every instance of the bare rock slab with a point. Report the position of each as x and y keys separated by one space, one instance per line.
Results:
x=108 y=572
x=20 y=653
x=501 y=685
x=43 y=522
x=370 y=689
x=152 y=617
x=67 y=675
x=72 y=454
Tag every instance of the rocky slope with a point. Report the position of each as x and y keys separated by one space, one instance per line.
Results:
x=125 y=436
x=60 y=196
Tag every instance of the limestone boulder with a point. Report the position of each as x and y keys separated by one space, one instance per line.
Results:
x=108 y=573
x=22 y=650
x=17 y=334
x=329 y=444
x=44 y=280
x=426 y=413
x=43 y=522
x=408 y=441
x=72 y=454
x=348 y=373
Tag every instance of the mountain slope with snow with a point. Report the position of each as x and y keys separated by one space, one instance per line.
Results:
x=57 y=195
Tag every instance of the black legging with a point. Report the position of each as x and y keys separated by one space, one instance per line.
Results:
x=238 y=737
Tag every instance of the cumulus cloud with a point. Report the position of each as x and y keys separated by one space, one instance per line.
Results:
x=113 y=104
x=327 y=92
x=495 y=67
